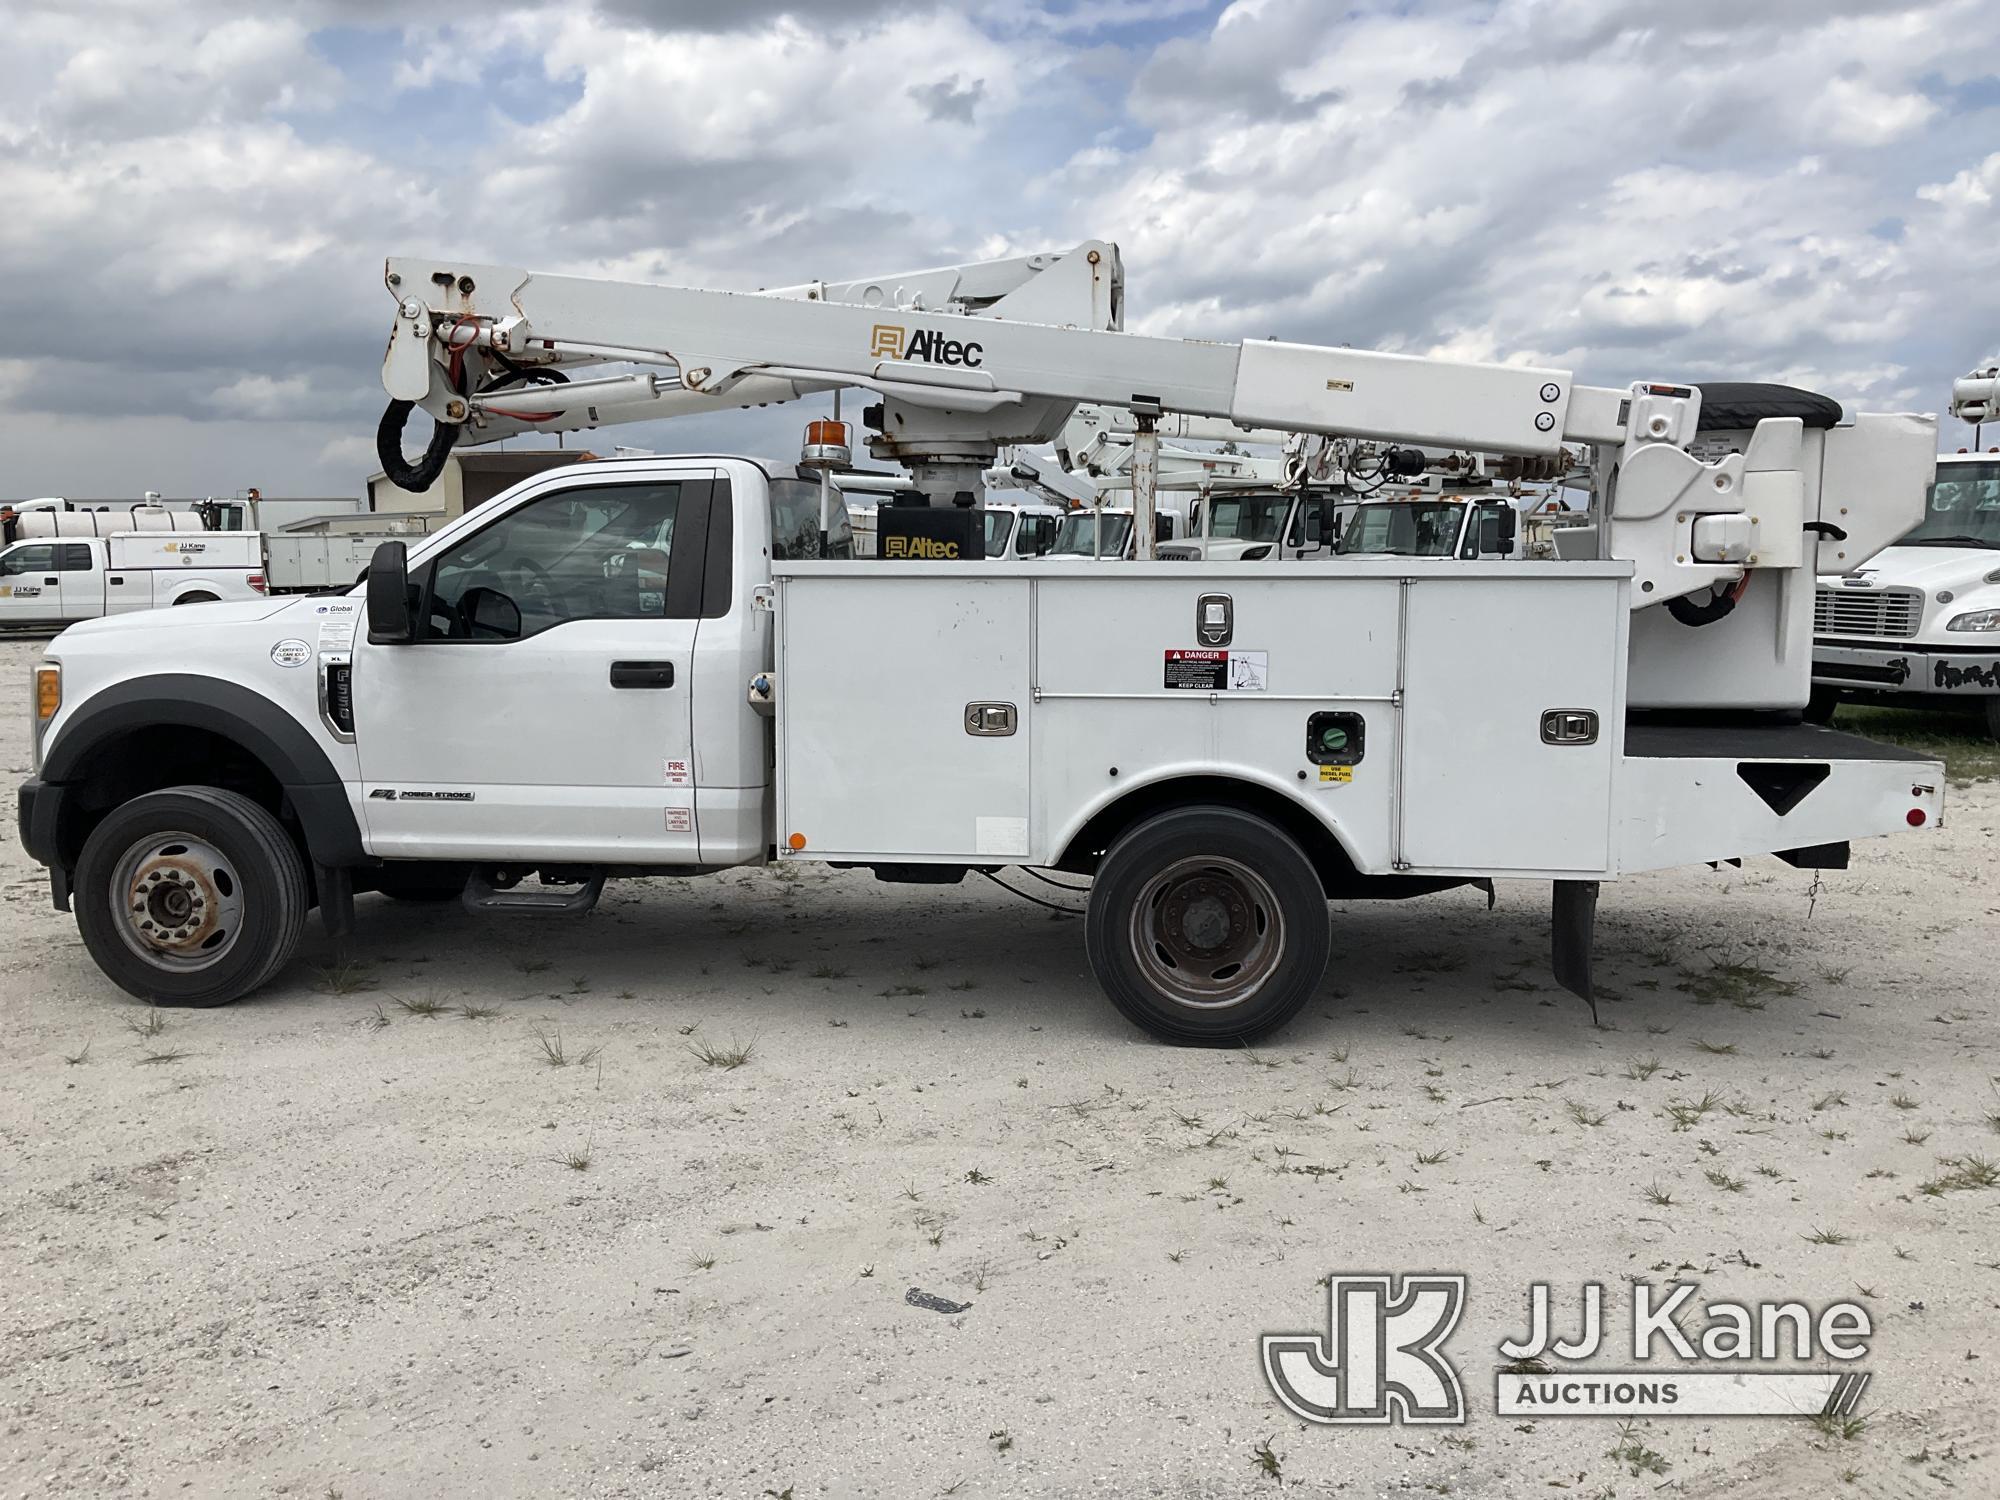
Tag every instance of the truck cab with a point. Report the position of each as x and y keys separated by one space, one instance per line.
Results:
x=1463 y=528
x=1919 y=625
x=1105 y=532
x=1318 y=523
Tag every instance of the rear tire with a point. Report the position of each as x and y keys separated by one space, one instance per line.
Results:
x=190 y=896
x=1992 y=708
x=197 y=597
x=1207 y=927
x=1820 y=708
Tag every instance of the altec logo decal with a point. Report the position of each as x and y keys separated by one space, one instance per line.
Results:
x=918 y=546
x=892 y=341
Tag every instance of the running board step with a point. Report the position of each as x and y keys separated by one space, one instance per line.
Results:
x=481 y=895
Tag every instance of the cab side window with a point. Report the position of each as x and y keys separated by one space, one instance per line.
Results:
x=598 y=553
x=75 y=557
x=40 y=557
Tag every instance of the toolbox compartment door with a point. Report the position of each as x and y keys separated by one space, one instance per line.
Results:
x=878 y=671
x=1484 y=659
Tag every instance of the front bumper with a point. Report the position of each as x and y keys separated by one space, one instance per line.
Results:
x=39 y=818
x=1905 y=667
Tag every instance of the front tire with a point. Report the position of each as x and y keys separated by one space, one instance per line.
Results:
x=1820 y=707
x=1207 y=927
x=190 y=896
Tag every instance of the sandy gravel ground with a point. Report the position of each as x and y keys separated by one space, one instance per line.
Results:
x=320 y=1243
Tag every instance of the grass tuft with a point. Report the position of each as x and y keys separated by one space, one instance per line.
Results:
x=728 y=1058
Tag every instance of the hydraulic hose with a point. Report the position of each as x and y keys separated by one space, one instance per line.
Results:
x=389 y=448
x=1714 y=608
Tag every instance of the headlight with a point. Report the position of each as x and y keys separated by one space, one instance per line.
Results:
x=48 y=699
x=1257 y=554
x=1978 y=619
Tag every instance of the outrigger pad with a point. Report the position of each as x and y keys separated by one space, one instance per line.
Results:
x=1572 y=922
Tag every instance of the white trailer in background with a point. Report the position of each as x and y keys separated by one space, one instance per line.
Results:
x=626 y=668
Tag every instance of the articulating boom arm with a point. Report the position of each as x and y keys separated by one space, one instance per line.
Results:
x=970 y=358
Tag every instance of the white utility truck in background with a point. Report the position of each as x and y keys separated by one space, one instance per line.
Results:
x=1920 y=624
x=614 y=669
x=59 y=580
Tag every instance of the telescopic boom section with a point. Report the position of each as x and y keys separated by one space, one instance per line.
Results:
x=971 y=358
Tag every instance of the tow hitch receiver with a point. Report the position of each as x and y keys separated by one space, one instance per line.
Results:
x=548 y=900
x=1572 y=921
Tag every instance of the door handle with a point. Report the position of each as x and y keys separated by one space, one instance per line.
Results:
x=115 y=582
x=642 y=674
x=52 y=581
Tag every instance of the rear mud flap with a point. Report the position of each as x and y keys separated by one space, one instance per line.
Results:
x=1572 y=921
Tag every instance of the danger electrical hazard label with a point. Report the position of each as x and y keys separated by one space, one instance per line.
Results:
x=1218 y=671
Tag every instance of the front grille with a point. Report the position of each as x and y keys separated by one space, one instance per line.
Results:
x=1885 y=614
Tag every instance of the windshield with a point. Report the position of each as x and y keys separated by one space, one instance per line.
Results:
x=1074 y=538
x=1249 y=518
x=999 y=527
x=1403 y=529
x=1962 y=508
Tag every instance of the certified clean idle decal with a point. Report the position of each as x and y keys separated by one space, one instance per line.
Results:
x=291 y=653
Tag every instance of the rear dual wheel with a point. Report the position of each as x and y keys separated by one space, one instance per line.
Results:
x=1208 y=926
x=190 y=896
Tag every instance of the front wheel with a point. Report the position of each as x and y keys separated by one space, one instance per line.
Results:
x=1207 y=926
x=1992 y=707
x=1820 y=707
x=190 y=896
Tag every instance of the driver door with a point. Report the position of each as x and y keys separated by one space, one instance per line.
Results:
x=544 y=711
x=30 y=589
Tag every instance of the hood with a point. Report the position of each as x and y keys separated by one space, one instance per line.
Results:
x=1215 y=549
x=179 y=617
x=1926 y=568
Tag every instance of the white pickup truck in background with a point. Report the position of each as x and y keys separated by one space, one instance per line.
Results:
x=59 y=580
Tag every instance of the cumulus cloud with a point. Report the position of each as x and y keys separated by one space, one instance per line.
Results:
x=199 y=198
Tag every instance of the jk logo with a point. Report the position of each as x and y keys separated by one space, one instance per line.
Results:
x=1380 y=1359
x=886 y=342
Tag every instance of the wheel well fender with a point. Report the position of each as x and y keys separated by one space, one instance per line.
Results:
x=181 y=728
x=1098 y=827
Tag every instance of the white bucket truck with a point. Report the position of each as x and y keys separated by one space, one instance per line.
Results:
x=607 y=671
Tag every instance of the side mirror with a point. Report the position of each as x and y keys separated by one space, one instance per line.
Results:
x=491 y=615
x=1496 y=531
x=390 y=619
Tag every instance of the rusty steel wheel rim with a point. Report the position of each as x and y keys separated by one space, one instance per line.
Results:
x=177 y=901
x=1207 y=932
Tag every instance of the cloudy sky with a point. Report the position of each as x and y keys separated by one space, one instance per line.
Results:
x=195 y=205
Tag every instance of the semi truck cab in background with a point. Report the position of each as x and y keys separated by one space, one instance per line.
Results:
x=1919 y=624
